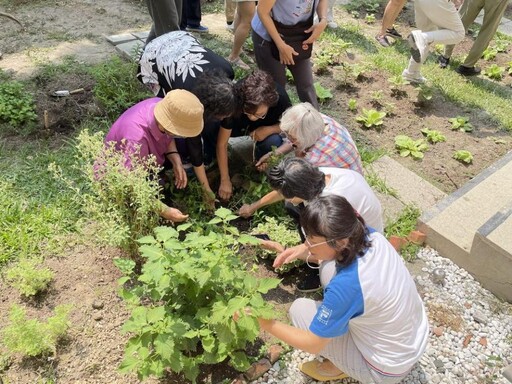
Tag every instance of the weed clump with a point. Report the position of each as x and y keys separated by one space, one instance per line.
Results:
x=29 y=278
x=17 y=108
x=31 y=337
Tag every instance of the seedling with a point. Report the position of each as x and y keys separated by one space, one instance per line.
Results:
x=377 y=96
x=370 y=18
x=461 y=123
x=323 y=94
x=397 y=81
x=425 y=93
x=409 y=147
x=463 y=156
x=371 y=118
x=330 y=54
x=433 y=136
x=501 y=45
x=29 y=278
x=352 y=105
x=509 y=68
x=490 y=53
x=494 y=72
x=389 y=108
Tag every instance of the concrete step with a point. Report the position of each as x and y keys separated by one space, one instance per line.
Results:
x=478 y=216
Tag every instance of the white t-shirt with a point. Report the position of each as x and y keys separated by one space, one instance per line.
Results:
x=353 y=187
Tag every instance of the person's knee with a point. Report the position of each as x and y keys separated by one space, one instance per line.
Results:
x=297 y=311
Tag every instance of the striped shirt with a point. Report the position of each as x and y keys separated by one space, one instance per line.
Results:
x=335 y=148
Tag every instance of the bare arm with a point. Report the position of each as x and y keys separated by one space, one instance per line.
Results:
x=297 y=338
x=285 y=51
x=270 y=198
x=225 y=188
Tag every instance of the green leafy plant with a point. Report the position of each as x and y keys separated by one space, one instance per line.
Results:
x=116 y=87
x=16 y=107
x=463 y=156
x=330 y=54
x=425 y=93
x=368 y=6
x=185 y=298
x=352 y=105
x=121 y=202
x=278 y=231
x=389 y=108
x=371 y=118
x=289 y=76
x=369 y=18
x=345 y=73
x=509 y=67
x=489 y=53
x=31 y=337
x=397 y=82
x=409 y=147
x=28 y=277
x=494 y=72
x=461 y=123
x=433 y=136
x=377 y=96
x=323 y=94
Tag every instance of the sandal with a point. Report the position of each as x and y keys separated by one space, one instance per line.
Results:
x=238 y=63
x=314 y=369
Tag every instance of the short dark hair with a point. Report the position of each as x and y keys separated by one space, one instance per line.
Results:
x=334 y=218
x=215 y=91
x=256 y=89
x=295 y=177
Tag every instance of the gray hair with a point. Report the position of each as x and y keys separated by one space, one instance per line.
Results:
x=303 y=122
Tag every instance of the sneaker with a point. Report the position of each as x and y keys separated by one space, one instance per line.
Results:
x=238 y=62
x=230 y=26
x=309 y=279
x=392 y=32
x=332 y=25
x=413 y=77
x=468 y=71
x=199 y=28
x=443 y=61
x=419 y=46
x=383 y=40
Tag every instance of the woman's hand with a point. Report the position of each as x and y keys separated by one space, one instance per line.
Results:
x=286 y=54
x=246 y=210
x=173 y=214
x=290 y=254
x=180 y=176
x=316 y=30
x=272 y=246
x=261 y=165
x=225 y=189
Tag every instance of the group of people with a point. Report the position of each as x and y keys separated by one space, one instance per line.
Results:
x=443 y=22
x=371 y=323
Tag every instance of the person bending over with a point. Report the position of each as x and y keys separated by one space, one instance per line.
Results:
x=317 y=138
x=150 y=128
x=371 y=324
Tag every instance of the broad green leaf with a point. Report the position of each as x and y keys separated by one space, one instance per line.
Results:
x=405 y=153
x=208 y=343
x=152 y=252
x=239 y=361
x=143 y=353
x=248 y=239
x=215 y=220
x=125 y=265
x=223 y=213
x=268 y=284
x=183 y=227
x=165 y=233
x=219 y=311
x=157 y=368
x=235 y=304
x=164 y=345
x=155 y=315
x=128 y=364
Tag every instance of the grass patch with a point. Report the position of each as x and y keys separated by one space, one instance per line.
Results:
x=405 y=223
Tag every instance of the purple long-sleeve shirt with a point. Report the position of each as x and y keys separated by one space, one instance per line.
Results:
x=138 y=128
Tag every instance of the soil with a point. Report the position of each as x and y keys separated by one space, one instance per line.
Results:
x=85 y=274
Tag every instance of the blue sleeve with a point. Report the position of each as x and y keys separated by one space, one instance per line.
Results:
x=343 y=300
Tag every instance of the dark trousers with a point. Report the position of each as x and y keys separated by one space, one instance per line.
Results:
x=166 y=15
x=191 y=14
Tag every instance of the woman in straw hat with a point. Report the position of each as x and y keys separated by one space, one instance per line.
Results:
x=150 y=128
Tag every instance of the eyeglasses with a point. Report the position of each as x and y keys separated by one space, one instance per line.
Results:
x=309 y=245
x=261 y=117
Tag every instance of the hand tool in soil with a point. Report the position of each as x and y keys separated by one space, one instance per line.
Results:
x=65 y=93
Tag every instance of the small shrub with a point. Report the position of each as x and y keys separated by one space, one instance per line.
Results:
x=425 y=93
x=369 y=18
x=31 y=337
x=409 y=147
x=463 y=156
x=330 y=54
x=461 y=123
x=122 y=203
x=17 y=108
x=433 y=136
x=489 y=53
x=371 y=118
x=28 y=278
x=167 y=332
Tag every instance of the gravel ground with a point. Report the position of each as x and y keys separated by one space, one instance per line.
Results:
x=471 y=332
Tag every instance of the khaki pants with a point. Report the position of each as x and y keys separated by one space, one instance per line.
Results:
x=493 y=12
x=166 y=15
x=229 y=10
x=439 y=21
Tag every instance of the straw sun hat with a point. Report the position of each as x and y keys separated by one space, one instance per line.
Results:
x=180 y=113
